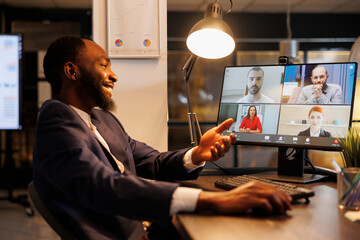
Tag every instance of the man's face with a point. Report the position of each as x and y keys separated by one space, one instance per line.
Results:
x=319 y=76
x=97 y=78
x=255 y=81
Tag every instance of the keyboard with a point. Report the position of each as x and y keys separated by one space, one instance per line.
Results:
x=294 y=191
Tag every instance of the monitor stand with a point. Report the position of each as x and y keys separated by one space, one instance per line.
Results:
x=290 y=167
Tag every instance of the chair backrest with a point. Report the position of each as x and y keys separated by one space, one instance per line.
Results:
x=49 y=217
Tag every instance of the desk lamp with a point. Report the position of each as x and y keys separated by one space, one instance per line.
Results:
x=209 y=38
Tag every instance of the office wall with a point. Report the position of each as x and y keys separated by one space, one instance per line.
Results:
x=141 y=91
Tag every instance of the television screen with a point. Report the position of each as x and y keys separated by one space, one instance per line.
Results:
x=303 y=105
x=10 y=81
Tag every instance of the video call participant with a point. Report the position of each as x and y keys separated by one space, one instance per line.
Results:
x=255 y=80
x=251 y=122
x=90 y=172
x=315 y=119
x=320 y=92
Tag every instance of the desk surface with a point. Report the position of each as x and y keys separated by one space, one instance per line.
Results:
x=320 y=219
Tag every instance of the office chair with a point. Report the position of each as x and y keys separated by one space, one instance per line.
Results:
x=49 y=217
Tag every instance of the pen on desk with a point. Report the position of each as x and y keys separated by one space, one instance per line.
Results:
x=336 y=166
x=338 y=170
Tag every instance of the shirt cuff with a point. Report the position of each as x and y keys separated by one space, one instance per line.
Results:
x=184 y=200
x=188 y=164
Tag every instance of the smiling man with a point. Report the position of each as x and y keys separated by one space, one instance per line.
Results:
x=90 y=172
x=255 y=80
x=89 y=79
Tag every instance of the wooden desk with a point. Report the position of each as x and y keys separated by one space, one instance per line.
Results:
x=320 y=219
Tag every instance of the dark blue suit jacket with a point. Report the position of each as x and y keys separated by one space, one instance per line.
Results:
x=75 y=176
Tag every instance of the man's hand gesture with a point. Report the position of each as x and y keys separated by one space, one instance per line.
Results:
x=213 y=145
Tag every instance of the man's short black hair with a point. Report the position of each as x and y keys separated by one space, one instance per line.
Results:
x=255 y=69
x=64 y=49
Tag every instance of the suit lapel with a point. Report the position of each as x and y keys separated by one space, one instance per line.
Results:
x=109 y=163
x=116 y=144
x=322 y=133
x=107 y=134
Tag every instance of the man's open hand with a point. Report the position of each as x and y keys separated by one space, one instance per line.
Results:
x=213 y=145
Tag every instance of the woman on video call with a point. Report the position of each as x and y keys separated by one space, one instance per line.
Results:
x=315 y=120
x=251 y=123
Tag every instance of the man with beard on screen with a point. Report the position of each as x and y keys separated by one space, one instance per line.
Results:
x=94 y=176
x=320 y=92
x=255 y=80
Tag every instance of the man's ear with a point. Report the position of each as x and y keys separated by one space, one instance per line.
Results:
x=71 y=71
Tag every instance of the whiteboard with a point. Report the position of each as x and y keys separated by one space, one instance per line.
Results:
x=133 y=29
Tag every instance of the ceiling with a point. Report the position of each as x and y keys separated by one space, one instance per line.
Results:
x=272 y=6
x=249 y=6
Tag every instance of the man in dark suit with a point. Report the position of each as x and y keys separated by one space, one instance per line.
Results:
x=90 y=172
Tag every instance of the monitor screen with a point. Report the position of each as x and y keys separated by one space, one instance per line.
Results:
x=292 y=107
x=302 y=105
x=10 y=81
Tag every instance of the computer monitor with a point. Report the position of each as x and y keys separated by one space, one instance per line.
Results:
x=10 y=81
x=292 y=107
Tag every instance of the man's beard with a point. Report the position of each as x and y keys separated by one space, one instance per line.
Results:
x=324 y=85
x=254 y=91
x=323 y=88
x=95 y=89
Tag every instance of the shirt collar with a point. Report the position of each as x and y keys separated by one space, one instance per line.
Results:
x=315 y=135
x=83 y=115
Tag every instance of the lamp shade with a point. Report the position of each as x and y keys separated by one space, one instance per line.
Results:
x=211 y=37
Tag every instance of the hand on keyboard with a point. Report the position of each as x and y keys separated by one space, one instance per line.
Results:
x=252 y=195
x=294 y=191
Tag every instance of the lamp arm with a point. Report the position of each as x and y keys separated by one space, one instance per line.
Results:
x=188 y=66
x=186 y=71
x=229 y=10
x=194 y=126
